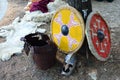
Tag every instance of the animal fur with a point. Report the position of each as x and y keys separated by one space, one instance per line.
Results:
x=30 y=23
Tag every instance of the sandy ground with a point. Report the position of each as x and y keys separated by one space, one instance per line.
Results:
x=15 y=9
x=17 y=68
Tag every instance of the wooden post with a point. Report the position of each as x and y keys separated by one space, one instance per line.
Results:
x=83 y=6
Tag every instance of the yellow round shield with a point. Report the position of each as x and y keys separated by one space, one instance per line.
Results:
x=67 y=29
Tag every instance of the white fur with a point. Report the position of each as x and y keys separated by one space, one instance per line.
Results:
x=30 y=23
x=13 y=45
x=53 y=6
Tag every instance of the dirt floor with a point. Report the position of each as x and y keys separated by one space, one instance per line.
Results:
x=19 y=68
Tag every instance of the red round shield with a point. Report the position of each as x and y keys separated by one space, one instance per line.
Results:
x=98 y=36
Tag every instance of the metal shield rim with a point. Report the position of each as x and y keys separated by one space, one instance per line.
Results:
x=79 y=15
x=90 y=44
